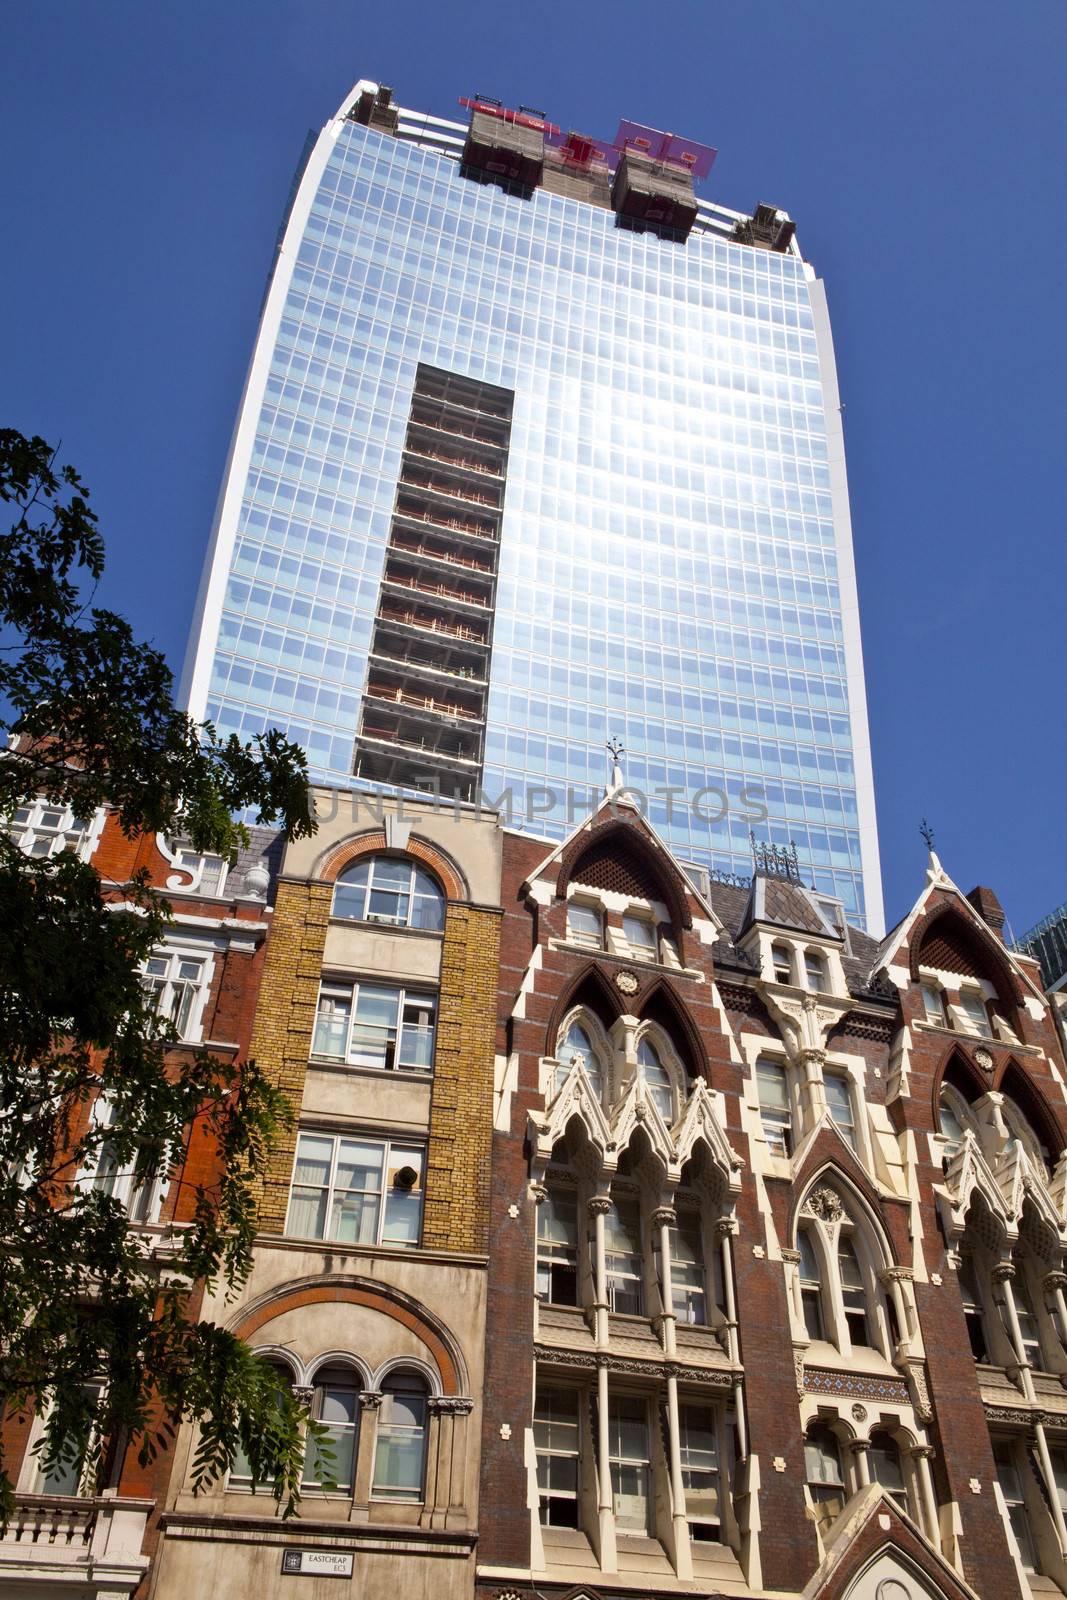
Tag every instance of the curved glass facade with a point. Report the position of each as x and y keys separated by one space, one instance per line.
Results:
x=671 y=540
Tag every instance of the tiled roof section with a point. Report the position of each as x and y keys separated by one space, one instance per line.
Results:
x=731 y=906
x=266 y=846
x=787 y=905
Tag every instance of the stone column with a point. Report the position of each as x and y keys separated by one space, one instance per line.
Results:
x=921 y=1455
x=725 y=1229
x=663 y=1218
x=370 y=1403
x=1054 y=1283
x=599 y=1206
x=1051 y=1490
x=858 y=1450
x=683 y=1557
x=605 y=1498
x=892 y=1278
x=1003 y=1273
x=446 y=1460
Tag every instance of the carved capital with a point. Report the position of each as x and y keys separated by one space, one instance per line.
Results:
x=1053 y=1281
x=371 y=1399
x=599 y=1205
x=664 y=1217
x=895 y=1275
x=921 y=1452
x=791 y=1257
x=858 y=1446
x=1003 y=1272
x=303 y=1393
x=538 y=1192
x=451 y=1405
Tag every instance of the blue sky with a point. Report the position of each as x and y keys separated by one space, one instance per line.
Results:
x=921 y=148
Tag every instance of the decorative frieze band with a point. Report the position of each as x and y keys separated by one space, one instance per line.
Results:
x=587 y=1361
x=849 y=1385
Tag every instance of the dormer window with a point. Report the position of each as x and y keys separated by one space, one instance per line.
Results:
x=657 y=1079
x=839 y=1104
x=782 y=963
x=815 y=971
x=934 y=1005
x=640 y=934
x=976 y=1011
x=585 y=925
x=773 y=1090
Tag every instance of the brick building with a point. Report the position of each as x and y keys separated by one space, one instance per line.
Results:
x=377 y=1015
x=776 y=1243
x=68 y=1537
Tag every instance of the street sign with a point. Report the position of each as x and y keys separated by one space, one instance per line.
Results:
x=316 y=1563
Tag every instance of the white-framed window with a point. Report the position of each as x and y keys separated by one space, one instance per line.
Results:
x=336 y=1405
x=934 y=1003
x=698 y=1447
x=70 y=1476
x=141 y=1200
x=1010 y=1470
x=240 y=1477
x=886 y=1468
x=557 y=1437
x=624 y=1258
x=811 y=1294
x=973 y=1309
x=823 y=1474
x=953 y=1115
x=776 y=1117
x=390 y=889
x=650 y=1067
x=853 y=1292
x=178 y=982
x=208 y=872
x=641 y=935
x=689 y=1284
x=42 y=829
x=375 y=1025
x=1029 y=1327
x=355 y=1190
x=815 y=971
x=782 y=963
x=585 y=925
x=400 y=1449
x=577 y=1038
x=974 y=1008
x=840 y=1106
x=630 y=1462
x=557 y=1247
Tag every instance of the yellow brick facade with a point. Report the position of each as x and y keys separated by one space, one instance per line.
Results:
x=456 y=1213
x=285 y=1020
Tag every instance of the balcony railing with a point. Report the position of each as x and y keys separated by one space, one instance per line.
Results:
x=460 y=463
x=417 y=548
x=453 y=524
x=63 y=1539
x=420 y=702
x=466 y=676
x=412 y=619
x=441 y=589
x=406 y=745
x=449 y=494
x=458 y=433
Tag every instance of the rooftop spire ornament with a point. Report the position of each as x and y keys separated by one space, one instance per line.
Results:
x=616 y=752
x=927 y=834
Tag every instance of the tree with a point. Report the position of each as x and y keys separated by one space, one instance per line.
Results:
x=92 y=1333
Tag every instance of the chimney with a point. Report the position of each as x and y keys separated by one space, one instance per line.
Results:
x=988 y=908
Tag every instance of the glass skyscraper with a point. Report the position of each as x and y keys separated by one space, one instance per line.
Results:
x=538 y=449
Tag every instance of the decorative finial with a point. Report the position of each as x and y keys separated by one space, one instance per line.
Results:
x=927 y=834
x=616 y=752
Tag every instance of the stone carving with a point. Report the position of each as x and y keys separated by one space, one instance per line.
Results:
x=850 y=1385
x=371 y=1399
x=983 y=1059
x=825 y=1203
x=451 y=1405
x=713 y=1377
x=626 y=982
x=798 y=1364
x=859 y=1413
x=920 y=1392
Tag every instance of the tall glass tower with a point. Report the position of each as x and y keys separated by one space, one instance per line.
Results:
x=540 y=448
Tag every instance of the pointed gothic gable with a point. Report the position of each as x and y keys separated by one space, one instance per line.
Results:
x=594 y=993
x=636 y=1110
x=864 y=1558
x=662 y=1006
x=576 y=1099
x=700 y=1125
x=969 y=1173
x=825 y=1169
x=620 y=851
x=1020 y=1088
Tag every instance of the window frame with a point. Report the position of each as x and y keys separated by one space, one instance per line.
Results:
x=598 y=1058
x=816 y=959
x=549 y=1452
x=586 y=939
x=392 y=1150
x=777 y=1122
x=650 y=1037
x=349 y=991
x=413 y=893
x=83 y=837
x=555 y=1256
x=973 y=1000
x=620 y=1462
x=616 y=1277
x=642 y=950
x=821 y=1489
x=331 y=1366
x=694 y=1468
x=849 y=1130
x=1006 y=1457
x=162 y=988
x=149 y=1196
x=778 y=966
x=389 y=1388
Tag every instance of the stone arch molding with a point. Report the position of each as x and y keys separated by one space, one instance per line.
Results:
x=443 y=1348
x=889 y=1575
x=698 y=1123
x=339 y=856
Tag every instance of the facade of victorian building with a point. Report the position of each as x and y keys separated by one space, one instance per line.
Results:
x=70 y=1538
x=776 y=1247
